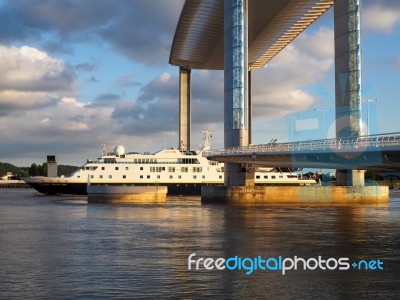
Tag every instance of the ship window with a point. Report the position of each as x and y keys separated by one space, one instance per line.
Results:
x=280 y=176
x=170 y=176
x=204 y=176
x=109 y=176
x=91 y=176
x=194 y=176
x=171 y=169
x=265 y=177
x=273 y=177
x=258 y=177
x=179 y=176
x=101 y=176
x=141 y=168
x=220 y=176
x=158 y=176
x=103 y=168
x=141 y=176
x=126 y=168
x=116 y=168
x=79 y=176
x=148 y=176
x=124 y=176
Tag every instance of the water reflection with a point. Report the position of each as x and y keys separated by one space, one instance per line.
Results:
x=62 y=247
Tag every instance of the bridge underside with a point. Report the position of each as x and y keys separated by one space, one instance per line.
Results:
x=199 y=38
x=365 y=159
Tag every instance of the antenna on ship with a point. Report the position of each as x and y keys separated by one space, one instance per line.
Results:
x=103 y=151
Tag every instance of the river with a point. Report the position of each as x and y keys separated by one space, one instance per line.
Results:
x=61 y=247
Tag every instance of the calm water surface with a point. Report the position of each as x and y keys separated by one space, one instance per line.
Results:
x=59 y=247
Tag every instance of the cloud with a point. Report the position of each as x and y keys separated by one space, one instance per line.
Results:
x=128 y=80
x=12 y=101
x=106 y=99
x=137 y=29
x=279 y=88
x=29 y=69
x=150 y=41
x=31 y=79
x=86 y=66
x=155 y=108
x=93 y=79
x=207 y=98
x=68 y=128
x=66 y=18
x=381 y=16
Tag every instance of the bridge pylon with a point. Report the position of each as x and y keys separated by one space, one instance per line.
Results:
x=348 y=80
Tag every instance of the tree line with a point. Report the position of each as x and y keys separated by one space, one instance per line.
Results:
x=35 y=170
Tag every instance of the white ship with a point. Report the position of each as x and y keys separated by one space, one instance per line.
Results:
x=183 y=173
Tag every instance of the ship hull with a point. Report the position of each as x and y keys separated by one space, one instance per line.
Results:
x=80 y=188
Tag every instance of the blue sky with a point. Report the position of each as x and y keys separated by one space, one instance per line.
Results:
x=77 y=75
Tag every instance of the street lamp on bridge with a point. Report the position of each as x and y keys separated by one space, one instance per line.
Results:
x=368 y=101
x=323 y=119
x=292 y=125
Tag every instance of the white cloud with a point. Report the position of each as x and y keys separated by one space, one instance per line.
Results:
x=278 y=88
x=11 y=100
x=29 y=69
x=381 y=16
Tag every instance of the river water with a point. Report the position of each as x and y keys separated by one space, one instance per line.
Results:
x=61 y=247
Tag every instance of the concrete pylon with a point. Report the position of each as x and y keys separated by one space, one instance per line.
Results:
x=348 y=79
x=236 y=100
x=185 y=110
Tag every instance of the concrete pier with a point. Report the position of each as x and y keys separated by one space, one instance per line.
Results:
x=127 y=194
x=295 y=195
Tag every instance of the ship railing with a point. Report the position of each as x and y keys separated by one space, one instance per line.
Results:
x=361 y=142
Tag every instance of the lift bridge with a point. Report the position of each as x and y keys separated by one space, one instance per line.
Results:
x=374 y=152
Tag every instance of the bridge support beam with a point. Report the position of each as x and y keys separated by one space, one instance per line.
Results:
x=236 y=100
x=185 y=111
x=348 y=79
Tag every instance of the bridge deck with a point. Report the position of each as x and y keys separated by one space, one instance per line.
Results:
x=378 y=152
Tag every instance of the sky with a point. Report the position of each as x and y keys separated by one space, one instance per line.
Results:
x=75 y=75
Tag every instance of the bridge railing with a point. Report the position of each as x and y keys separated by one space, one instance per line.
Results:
x=382 y=140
